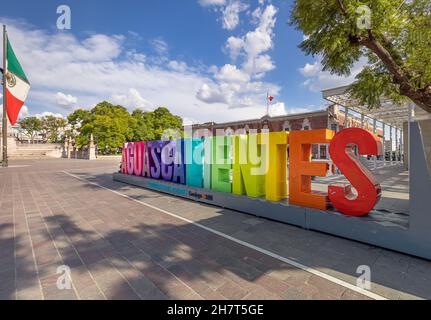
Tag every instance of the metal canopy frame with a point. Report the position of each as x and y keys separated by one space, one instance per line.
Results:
x=389 y=113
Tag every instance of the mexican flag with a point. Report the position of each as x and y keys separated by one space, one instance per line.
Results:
x=17 y=85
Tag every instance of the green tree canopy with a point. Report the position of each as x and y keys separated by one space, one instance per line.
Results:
x=156 y=123
x=31 y=126
x=144 y=128
x=78 y=117
x=112 y=125
x=395 y=36
x=53 y=128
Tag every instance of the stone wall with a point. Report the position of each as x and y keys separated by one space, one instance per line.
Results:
x=18 y=150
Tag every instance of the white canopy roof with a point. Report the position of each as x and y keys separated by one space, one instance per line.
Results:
x=389 y=113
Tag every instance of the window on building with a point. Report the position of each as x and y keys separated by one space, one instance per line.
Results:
x=334 y=127
x=306 y=128
x=323 y=152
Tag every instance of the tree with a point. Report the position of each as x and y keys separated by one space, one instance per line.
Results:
x=75 y=121
x=31 y=126
x=144 y=128
x=152 y=125
x=395 y=36
x=164 y=120
x=111 y=126
x=54 y=128
x=77 y=117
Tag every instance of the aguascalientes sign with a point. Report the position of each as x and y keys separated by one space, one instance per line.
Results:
x=255 y=165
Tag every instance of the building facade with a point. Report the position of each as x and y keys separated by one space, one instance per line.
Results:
x=329 y=118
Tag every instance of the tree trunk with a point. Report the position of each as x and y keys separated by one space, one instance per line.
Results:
x=422 y=98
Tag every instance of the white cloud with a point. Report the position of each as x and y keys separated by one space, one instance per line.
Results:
x=179 y=66
x=99 y=68
x=189 y=121
x=255 y=43
x=48 y=114
x=240 y=87
x=213 y=94
x=132 y=100
x=259 y=65
x=230 y=73
x=231 y=14
x=160 y=46
x=207 y=3
x=310 y=70
x=230 y=11
x=237 y=95
x=66 y=100
x=318 y=80
x=23 y=113
x=234 y=45
x=277 y=109
x=137 y=57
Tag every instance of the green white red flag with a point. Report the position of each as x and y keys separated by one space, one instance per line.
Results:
x=17 y=85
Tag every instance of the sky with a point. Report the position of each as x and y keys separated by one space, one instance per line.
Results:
x=206 y=60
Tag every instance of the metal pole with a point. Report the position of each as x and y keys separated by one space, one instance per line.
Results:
x=390 y=134
x=375 y=132
x=411 y=120
x=384 y=144
x=267 y=104
x=4 y=127
x=401 y=145
x=397 y=139
x=346 y=116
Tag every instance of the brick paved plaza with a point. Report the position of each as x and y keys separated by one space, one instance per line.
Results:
x=122 y=242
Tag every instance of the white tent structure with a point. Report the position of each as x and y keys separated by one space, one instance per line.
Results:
x=392 y=118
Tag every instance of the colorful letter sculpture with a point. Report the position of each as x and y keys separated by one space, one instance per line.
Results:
x=222 y=164
x=302 y=169
x=274 y=146
x=208 y=159
x=167 y=160
x=155 y=153
x=246 y=178
x=255 y=166
x=179 y=173
x=130 y=158
x=367 y=188
x=138 y=153
x=194 y=151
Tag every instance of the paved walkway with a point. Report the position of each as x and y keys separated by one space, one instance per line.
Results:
x=122 y=242
x=394 y=181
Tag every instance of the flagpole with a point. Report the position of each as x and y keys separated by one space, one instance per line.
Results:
x=4 y=126
x=267 y=104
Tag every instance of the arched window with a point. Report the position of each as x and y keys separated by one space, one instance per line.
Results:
x=286 y=126
x=306 y=125
x=229 y=132
x=265 y=128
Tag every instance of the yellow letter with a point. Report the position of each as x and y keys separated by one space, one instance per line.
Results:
x=274 y=146
x=245 y=180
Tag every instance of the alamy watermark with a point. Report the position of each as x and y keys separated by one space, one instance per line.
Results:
x=64 y=21
x=364 y=280
x=64 y=281
x=364 y=21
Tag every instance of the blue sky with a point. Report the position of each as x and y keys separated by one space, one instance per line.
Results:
x=207 y=60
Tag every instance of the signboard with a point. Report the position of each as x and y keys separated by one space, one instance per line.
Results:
x=255 y=165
